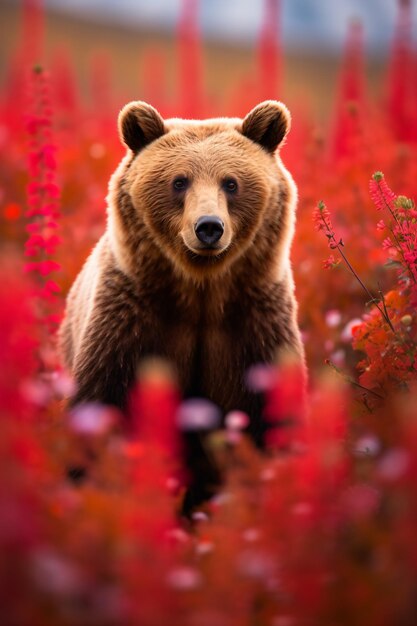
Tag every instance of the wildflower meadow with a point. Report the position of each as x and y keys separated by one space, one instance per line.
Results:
x=320 y=527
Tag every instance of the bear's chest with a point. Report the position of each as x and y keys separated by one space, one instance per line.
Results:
x=198 y=350
x=212 y=347
x=211 y=358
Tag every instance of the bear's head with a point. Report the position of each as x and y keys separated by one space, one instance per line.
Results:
x=204 y=190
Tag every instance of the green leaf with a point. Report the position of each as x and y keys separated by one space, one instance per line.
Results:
x=391 y=264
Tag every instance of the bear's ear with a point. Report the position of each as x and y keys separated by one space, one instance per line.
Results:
x=267 y=124
x=139 y=124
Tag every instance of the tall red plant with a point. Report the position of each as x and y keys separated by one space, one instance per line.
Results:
x=269 y=53
x=351 y=100
x=33 y=30
x=400 y=88
x=43 y=202
x=190 y=103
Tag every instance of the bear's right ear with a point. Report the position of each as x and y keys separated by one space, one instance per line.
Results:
x=139 y=124
x=267 y=124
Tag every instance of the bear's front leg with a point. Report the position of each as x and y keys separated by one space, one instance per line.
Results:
x=105 y=364
x=104 y=374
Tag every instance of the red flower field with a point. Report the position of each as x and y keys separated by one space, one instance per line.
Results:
x=321 y=528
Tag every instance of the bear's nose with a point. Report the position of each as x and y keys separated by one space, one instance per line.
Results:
x=209 y=229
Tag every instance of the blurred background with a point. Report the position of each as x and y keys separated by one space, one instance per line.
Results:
x=138 y=40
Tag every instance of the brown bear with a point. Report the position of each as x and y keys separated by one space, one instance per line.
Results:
x=194 y=264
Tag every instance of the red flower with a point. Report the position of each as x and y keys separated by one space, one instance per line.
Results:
x=285 y=406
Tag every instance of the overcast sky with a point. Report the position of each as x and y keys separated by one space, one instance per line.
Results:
x=304 y=22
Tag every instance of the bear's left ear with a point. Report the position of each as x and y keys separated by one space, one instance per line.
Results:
x=267 y=124
x=139 y=124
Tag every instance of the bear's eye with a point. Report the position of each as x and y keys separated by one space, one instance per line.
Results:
x=230 y=185
x=180 y=183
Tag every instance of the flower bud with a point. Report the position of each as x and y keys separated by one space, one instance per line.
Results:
x=406 y=320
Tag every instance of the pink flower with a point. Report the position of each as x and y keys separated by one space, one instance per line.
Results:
x=33 y=228
x=43 y=267
x=37 y=243
x=382 y=196
x=42 y=196
x=321 y=217
x=330 y=262
x=387 y=244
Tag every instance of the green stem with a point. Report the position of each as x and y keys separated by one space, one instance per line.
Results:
x=351 y=381
x=332 y=238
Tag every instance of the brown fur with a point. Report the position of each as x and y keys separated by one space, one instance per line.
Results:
x=148 y=287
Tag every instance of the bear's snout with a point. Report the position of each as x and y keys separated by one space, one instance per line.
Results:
x=209 y=229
